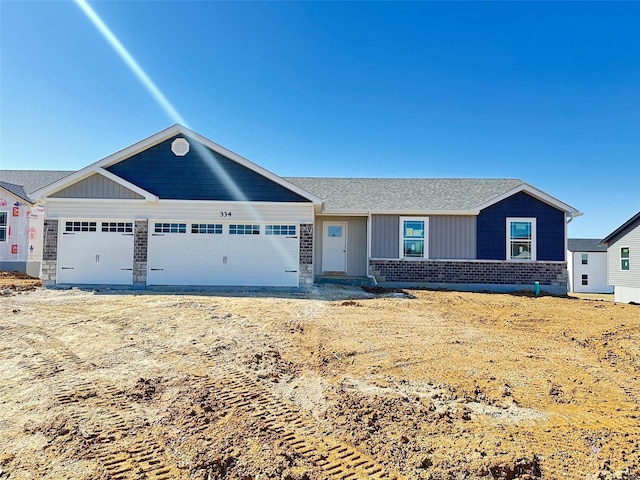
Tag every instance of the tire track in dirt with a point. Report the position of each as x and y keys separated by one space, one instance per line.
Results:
x=96 y=410
x=335 y=459
x=108 y=422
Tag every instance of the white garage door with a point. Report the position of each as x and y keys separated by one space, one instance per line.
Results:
x=225 y=254
x=95 y=252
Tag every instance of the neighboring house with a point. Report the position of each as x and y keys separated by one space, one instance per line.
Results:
x=21 y=219
x=178 y=209
x=587 y=265
x=623 y=256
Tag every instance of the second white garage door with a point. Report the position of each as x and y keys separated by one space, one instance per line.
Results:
x=95 y=252
x=223 y=254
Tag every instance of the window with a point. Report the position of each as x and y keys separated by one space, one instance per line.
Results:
x=244 y=229
x=208 y=228
x=521 y=238
x=624 y=258
x=170 y=228
x=585 y=259
x=3 y=226
x=413 y=237
x=585 y=279
x=280 y=230
x=123 y=227
x=80 y=227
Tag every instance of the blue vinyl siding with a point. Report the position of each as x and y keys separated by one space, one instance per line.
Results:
x=550 y=225
x=194 y=177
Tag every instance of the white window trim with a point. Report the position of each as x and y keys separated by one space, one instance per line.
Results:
x=620 y=258
x=534 y=246
x=426 y=238
x=5 y=227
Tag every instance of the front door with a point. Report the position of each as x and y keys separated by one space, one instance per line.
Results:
x=334 y=247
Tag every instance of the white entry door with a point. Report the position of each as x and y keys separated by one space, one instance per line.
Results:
x=95 y=252
x=334 y=247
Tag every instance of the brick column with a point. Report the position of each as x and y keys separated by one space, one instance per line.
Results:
x=140 y=242
x=306 y=254
x=50 y=252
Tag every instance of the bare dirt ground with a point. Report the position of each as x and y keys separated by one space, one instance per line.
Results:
x=326 y=384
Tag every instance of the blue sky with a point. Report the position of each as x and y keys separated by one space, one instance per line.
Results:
x=543 y=91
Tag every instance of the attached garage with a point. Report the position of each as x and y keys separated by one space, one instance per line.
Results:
x=177 y=209
x=232 y=254
x=95 y=252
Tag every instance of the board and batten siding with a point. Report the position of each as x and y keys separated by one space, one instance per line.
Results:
x=450 y=237
x=385 y=236
x=97 y=186
x=356 y=244
x=625 y=278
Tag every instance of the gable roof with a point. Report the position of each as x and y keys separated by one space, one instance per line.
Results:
x=418 y=195
x=585 y=245
x=22 y=182
x=204 y=177
x=622 y=229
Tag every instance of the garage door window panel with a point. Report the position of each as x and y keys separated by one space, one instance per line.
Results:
x=170 y=228
x=286 y=230
x=117 y=227
x=244 y=229
x=80 y=227
x=207 y=228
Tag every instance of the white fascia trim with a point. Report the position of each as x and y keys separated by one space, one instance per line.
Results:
x=249 y=164
x=107 y=161
x=85 y=173
x=534 y=192
x=154 y=140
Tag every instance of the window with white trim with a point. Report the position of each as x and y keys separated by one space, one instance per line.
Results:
x=3 y=226
x=170 y=228
x=521 y=238
x=207 y=228
x=122 y=227
x=585 y=259
x=80 y=226
x=289 y=230
x=624 y=258
x=413 y=237
x=244 y=229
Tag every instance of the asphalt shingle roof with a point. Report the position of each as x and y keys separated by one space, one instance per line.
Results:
x=404 y=194
x=585 y=245
x=30 y=180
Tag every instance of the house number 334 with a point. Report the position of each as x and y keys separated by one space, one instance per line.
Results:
x=225 y=214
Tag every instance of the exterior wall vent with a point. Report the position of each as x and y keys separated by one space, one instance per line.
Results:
x=180 y=147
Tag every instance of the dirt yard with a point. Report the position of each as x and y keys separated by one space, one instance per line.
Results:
x=327 y=384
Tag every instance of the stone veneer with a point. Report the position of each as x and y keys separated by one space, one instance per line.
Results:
x=50 y=252
x=140 y=242
x=306 y=254
x=551 y=274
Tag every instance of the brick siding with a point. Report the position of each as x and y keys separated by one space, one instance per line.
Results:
x=50 y=244
x=306 y=244
x=140 y=240
x=306 y=254
x=470 y=272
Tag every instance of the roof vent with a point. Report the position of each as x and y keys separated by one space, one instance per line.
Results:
x=180 y=147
